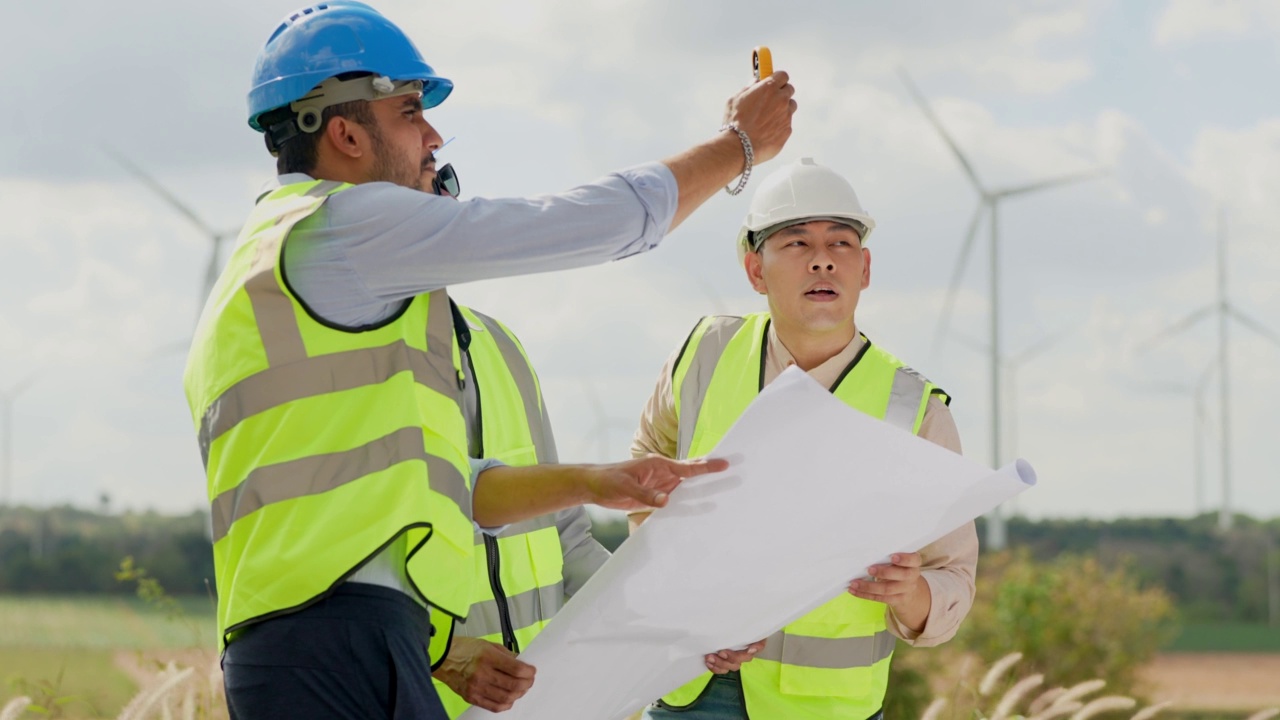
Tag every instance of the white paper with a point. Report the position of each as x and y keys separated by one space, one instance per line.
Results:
x=816 y=493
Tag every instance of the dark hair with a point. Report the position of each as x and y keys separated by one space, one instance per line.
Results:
x=300 y=152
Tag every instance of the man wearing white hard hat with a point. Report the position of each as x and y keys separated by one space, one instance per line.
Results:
x=803 y=246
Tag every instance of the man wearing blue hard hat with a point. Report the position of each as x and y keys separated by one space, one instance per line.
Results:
x=326 y=383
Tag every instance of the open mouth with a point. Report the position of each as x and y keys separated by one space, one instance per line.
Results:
x=822 y=292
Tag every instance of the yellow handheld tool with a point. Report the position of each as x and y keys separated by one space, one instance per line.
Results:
x=762 y=62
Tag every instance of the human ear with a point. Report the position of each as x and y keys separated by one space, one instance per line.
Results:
x=753 y=263
x=346 y=137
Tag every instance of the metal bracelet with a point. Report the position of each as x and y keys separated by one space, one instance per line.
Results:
x=750 y=158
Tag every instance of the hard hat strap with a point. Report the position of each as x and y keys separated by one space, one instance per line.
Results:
x=308 y=111
x=336 y=91
x=756 y=239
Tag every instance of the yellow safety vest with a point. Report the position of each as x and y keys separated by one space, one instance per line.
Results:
x=834 y=661
x=321 y=444
x=521 y=571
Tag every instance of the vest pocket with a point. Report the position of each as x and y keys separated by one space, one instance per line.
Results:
x=826 y=665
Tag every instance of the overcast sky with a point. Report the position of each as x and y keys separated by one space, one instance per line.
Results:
x=99 y=277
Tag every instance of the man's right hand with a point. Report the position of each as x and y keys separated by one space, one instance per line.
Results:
x=484 y=674
x=763 y=111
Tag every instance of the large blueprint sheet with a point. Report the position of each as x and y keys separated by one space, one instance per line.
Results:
x=817 y=491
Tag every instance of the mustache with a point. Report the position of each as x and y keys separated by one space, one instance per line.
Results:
x=428 y=162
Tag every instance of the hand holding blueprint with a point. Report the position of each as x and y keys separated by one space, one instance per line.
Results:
x=815 y=493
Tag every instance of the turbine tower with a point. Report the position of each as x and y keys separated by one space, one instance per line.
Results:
x=1199 y=421
x=1224 y=310
x=215 y=237
x=988 y=204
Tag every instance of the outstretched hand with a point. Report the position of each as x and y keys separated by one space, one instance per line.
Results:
x=644 y=483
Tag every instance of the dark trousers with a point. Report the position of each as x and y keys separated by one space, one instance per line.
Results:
x=359 y=653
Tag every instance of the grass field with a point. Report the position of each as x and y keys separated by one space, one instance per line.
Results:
x=86 y=682
x=103 y=622
x=81 y=639
x=1227 y=637
x=103 y=646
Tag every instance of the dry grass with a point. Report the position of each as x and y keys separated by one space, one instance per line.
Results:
x=969 y=699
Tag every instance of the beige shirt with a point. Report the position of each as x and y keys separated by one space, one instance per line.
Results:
x=949 y=564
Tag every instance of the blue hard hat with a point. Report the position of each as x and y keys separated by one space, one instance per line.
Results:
x=332 y=38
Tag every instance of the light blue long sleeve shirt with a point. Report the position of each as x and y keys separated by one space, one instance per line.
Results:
x=375 y=245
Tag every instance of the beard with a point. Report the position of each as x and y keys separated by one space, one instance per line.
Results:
x=393 y=167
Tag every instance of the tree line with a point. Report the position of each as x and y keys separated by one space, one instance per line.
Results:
x=1212 y=576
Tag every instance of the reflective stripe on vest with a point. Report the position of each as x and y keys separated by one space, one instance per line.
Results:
x=528 y=555
x=322 y=445
x=834 y=661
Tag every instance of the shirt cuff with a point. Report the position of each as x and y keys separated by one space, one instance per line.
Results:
x=932 y=633
x=655 y=186
x=478 y=466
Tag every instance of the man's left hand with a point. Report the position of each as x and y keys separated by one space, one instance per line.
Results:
x=900 y=586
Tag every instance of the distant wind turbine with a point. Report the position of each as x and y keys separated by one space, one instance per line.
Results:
x=1199 y=421
x=604 y=426
x=215 y=237
x=988 y=203
x=1013 y=364
x=1224 y=310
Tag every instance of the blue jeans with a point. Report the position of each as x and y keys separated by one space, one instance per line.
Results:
x=722 y=700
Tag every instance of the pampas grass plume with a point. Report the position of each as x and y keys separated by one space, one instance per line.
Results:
x=14 y=708
x=1015 y=695
x=1150 y=712
x=1104 y=704
x=989 y=681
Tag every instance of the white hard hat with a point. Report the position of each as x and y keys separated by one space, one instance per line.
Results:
x=801 y=192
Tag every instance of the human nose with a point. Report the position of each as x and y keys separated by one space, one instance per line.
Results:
x=431 y=139
x=822 y=259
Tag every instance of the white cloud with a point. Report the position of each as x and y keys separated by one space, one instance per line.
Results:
x=1190 y=20
x=94 y=274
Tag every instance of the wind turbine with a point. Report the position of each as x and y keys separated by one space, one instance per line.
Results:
x=1013 y=364
x=988 y=203
x=215 y=237
x=1200 y=419
x=604 y=426
x=1224 y=310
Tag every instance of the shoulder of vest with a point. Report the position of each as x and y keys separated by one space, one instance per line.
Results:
x=705 y=323
x=886 y=356
x=490 y=322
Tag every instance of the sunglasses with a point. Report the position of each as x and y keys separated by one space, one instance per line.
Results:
x=446 y=182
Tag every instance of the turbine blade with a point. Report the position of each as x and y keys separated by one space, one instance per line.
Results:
x=1177 y=327
x=160 y=190
x=957 y=274
x=937 y=125
x=210 y=277
x=1254 y=325
x=22 y=385
x=1052 y=182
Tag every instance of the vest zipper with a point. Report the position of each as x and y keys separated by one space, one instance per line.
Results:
x=490 y=542
x=504 y=612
